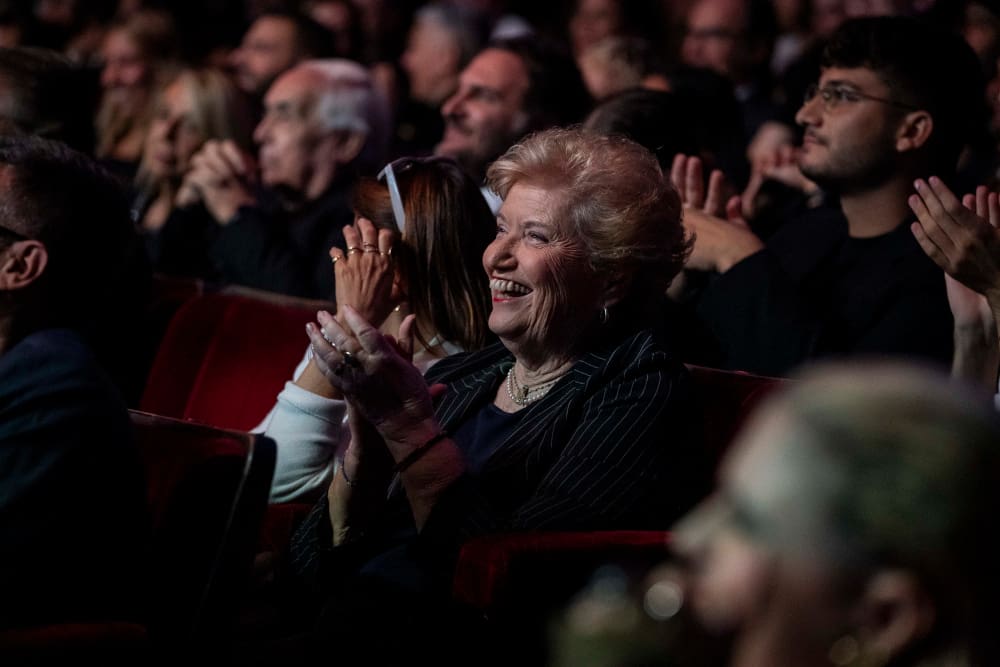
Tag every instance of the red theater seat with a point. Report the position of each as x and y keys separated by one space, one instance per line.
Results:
x=207 y=491
x=225 y=357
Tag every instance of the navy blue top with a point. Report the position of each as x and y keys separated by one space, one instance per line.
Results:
x=73 y=522
x=479 y=436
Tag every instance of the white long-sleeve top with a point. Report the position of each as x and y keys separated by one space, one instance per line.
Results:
x=308 y=431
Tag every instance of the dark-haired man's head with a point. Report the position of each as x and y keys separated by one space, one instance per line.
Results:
x=44 y=94
x=896 y=97
x=272 y=44
x=61 y=257
x=661 y=121
x=511 y=88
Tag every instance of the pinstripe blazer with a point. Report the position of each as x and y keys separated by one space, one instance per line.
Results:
x=613 y=445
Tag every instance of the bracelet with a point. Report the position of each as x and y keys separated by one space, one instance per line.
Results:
x=413 y=456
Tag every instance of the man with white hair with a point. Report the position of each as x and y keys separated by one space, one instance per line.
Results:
x=324 y=124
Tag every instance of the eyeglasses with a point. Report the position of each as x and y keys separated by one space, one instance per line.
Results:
x=834 y=95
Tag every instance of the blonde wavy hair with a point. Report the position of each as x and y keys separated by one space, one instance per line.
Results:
x=614 y=196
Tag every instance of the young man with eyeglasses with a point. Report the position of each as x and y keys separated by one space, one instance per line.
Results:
x=896 y=101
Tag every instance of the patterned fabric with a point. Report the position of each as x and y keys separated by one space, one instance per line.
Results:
x=612 y=446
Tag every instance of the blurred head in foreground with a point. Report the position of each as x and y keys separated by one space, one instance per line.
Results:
x=854 y=525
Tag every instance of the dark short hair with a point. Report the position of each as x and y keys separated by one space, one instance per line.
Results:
x=556 y=93
x=662 y=122
x=47 y=95
x=63 y=199
x=923 y=66
x=312 y=39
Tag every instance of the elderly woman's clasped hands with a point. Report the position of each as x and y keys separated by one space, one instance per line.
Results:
x=373 y=370
x=391 y=412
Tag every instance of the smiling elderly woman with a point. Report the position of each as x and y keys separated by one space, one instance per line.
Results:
x=579 y=419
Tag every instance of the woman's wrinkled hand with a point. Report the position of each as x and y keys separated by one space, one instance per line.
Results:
x=365 y=273
x=373 y=371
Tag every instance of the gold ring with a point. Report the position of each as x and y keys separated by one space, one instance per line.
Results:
x=368 y=244
x=334 y=258
x=352 y=250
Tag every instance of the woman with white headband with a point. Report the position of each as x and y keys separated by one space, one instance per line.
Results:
x=420 y=231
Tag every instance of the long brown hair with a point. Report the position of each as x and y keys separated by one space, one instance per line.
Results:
x=448 y=226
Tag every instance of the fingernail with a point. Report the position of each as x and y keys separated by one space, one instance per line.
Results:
x=309 y=327
x=918 y=184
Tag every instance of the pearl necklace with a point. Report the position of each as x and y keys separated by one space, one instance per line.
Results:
x=522 y=396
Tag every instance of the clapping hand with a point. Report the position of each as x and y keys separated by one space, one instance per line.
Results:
x=686 y=174
x=365 y=274
x=962 y=240
x=374 y=373
x=721 y=235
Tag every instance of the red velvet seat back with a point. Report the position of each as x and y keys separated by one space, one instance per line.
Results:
x=727 y=398
x=225 y=357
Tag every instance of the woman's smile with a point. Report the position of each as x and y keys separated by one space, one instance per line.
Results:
x=507 y=290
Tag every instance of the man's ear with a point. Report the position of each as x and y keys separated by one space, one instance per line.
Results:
x=347 y=145
x=895 y=612
x=22 y=263
x=914 y=131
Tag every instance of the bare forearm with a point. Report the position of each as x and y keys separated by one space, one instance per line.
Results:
x=313 y=380
x=977 y=356
x=428 y=465
x=358 y=489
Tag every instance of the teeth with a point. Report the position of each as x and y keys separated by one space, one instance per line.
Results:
x=508 y=286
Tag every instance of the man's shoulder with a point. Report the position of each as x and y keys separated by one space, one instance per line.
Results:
x=48 y=350
x=54 y=362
